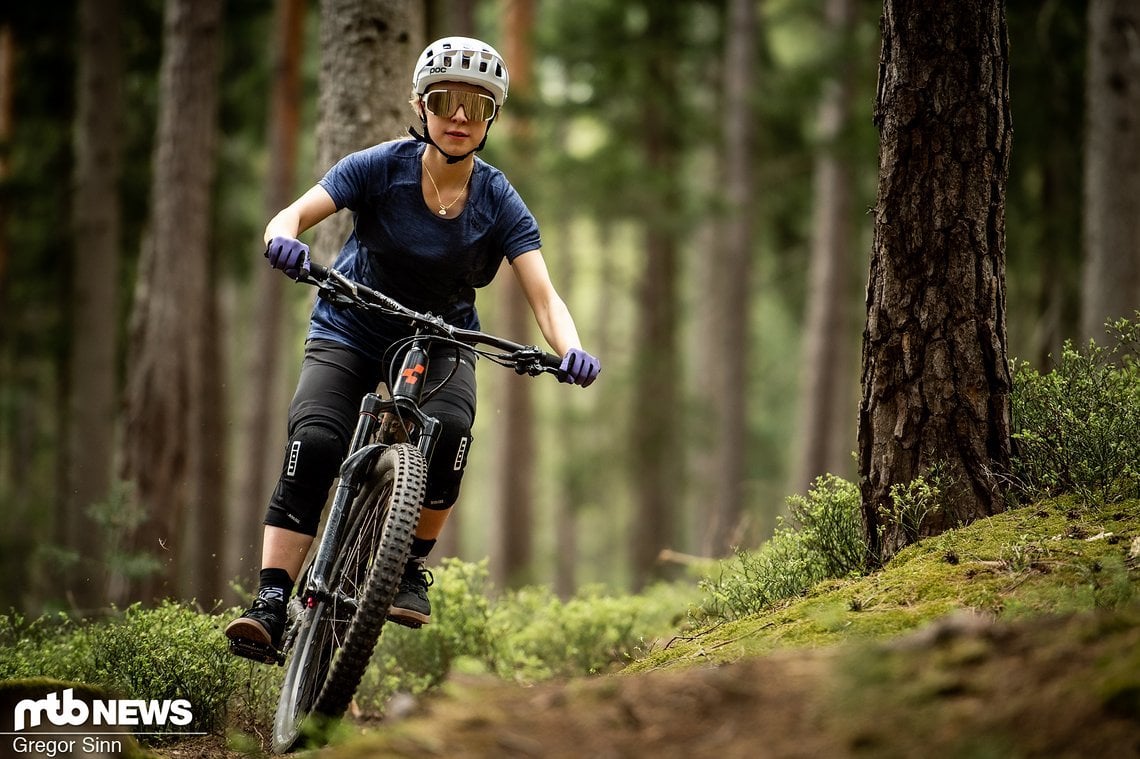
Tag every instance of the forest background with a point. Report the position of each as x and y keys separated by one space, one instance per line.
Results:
x=701 y=171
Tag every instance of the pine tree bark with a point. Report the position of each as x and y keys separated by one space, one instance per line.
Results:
x=368 y=48
x=935 y=376
x=1111 y=281
x=92 y=389
x=169 y=453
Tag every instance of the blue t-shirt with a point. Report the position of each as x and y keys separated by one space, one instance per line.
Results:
x=402 y=248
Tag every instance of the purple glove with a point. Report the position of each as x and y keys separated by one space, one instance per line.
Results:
x=289 y=255
x=579 y=367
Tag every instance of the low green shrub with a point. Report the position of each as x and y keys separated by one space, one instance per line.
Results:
x=540 y=636
x=824 y=539
x=1075 y=427
x=51 y=646
x=168 y=652
x=528 y=634
x=414 y=660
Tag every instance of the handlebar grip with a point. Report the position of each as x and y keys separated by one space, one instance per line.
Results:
x=550 y=361
x=318 y=272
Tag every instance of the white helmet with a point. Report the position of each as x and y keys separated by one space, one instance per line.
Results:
x=461 y=59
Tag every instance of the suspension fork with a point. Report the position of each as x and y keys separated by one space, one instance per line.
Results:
x=407 y=391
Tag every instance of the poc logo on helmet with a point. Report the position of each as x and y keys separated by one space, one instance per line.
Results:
x=438 y=70
x=71 y=711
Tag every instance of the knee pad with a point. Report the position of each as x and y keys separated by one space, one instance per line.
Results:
x=445 y=472
x=312 y=459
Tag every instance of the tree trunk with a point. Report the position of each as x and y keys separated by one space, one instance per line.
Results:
x=935 y=376
x=513 y=559
x=7 y=88
x=368 y=48
x=656 y=454
x=96 y=218
x=166 y=446
x=1111 y=282
x=729 y=300
x=827 y=426
x=263 y=426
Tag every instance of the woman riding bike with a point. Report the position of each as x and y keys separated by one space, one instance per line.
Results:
x=432 y=222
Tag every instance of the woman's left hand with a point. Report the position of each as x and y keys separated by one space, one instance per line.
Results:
x=579 y=367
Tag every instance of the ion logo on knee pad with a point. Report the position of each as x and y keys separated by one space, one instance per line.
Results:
x=459 y=454
x=294 y=454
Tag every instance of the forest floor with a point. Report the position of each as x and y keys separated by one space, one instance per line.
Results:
x=1007 y=668
x=963 y=687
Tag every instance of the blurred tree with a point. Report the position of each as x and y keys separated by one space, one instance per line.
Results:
x=368 y=48
x=96 y=226
x=935 y=375
x=724 y=376
x=450 y=18
x=1044 y=209
x=655 y=445
x=513 y=556
x=825 y=428
x=7 y=89
x=173 y=441
x=263 y=429
x=1111 y=282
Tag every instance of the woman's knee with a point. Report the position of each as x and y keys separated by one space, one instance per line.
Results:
x=448 y=461
x=312 y=458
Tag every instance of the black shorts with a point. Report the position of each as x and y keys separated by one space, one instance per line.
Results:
x=323 y=416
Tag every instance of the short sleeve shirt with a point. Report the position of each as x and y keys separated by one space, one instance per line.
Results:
x=404 y=249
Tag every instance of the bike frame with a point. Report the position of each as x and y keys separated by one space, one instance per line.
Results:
x=406 y=393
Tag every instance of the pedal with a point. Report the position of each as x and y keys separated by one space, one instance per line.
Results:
x=258 y=652
x=414 y=624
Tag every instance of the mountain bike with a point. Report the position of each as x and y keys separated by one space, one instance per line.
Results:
x=339 y=611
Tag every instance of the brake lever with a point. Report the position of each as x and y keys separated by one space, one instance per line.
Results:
x=333 y=295
x=338 y=290
x=529 y=362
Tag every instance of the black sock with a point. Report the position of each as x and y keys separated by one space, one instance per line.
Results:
x=275 y=585
x=421 y=547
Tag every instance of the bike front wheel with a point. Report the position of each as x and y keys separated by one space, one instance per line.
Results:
x=334 y=637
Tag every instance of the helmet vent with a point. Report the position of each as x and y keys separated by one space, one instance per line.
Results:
x=461 y=59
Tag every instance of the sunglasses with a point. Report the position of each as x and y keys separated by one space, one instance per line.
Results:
x=476 y=106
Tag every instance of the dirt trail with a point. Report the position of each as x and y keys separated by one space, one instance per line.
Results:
x=963 y=687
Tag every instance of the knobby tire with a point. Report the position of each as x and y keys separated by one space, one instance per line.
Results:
x=334 y=639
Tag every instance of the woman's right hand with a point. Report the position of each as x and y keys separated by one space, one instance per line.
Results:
x=288 y=254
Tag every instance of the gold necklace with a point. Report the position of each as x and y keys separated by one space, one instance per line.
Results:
x=443 y=209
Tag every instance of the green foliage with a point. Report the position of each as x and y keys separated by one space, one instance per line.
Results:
x=51 y=646
x=169 y=652
x=826 y=543
x=526 y=635
x=1075 y=428
x=117 y=517
x=911 y=504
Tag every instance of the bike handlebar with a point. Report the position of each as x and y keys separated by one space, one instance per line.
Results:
x=340 y=290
